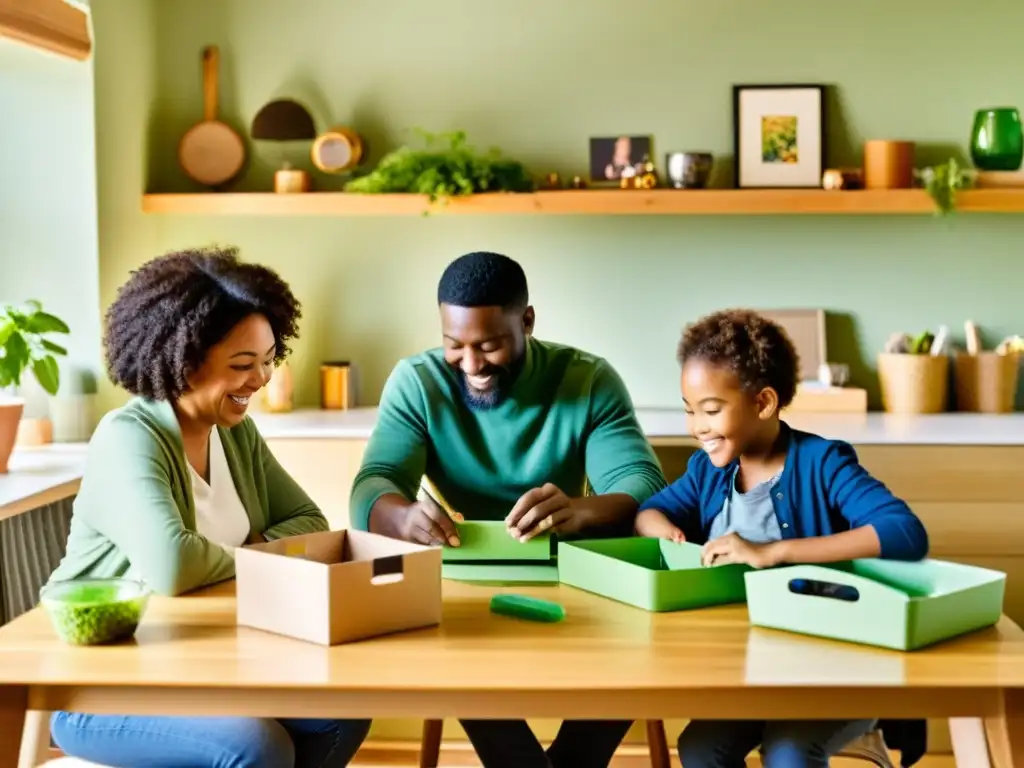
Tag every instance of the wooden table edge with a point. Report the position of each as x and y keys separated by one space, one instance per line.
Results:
x=987 y=725
x=759 y=702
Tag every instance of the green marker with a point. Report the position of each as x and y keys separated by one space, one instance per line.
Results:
x=529 y=608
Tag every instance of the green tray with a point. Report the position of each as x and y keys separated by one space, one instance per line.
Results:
x=501 y=573
x=653 y=574
x=888 y=603
x=486 y=540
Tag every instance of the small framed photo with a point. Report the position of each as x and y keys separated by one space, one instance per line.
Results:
x=779 y=133
x=616 y=157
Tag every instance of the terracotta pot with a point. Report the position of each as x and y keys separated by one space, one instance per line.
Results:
x=888 y=164
x=10 y=415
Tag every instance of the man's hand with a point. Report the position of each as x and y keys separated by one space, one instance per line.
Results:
x=653 y=523
x=541 y=510
x=421 y=522
x=426 y=523
x=732 y=549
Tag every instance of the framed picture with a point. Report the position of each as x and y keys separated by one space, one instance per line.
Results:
x=779 y=133
x=613 y=158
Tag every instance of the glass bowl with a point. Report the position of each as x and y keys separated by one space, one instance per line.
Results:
x=92 y=611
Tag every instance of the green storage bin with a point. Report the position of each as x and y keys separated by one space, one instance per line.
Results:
x=887 y=603
x=653 y=574
x=488 y=555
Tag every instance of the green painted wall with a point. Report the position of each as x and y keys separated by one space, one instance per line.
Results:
x=48 y=247
x=537 y=78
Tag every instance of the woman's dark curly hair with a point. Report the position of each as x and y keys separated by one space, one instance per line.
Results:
x=753 y=347
x=174 y=308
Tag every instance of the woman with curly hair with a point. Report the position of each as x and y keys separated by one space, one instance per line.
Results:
x=178 y=478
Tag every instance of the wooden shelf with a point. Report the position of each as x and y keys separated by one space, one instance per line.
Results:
x=585 y=202
x=52 y=25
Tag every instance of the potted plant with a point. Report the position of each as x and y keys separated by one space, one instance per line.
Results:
x=942 y=182
x=24 y=347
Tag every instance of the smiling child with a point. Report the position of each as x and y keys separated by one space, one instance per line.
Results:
x=761 y=493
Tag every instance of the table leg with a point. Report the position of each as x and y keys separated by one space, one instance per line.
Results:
x=970 y=745
x=657 y=744
x=1006 y=734
x=13 y=703
x=35 y=739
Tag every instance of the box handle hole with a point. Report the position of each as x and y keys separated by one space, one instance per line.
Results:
x=842 y=592
x=387 y=570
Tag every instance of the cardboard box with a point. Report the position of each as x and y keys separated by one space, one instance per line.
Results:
x=653 y=574
x=886 y=603
x=337 y=586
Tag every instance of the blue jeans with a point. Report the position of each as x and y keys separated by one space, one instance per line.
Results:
x=207 y=742
x=784 y=743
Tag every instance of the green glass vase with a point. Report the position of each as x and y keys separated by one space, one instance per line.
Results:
x=997 y=141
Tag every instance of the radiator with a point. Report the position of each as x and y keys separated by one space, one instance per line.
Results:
x=31 y=546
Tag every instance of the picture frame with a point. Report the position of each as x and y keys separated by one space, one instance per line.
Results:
x=779 y=135
x=615 y=157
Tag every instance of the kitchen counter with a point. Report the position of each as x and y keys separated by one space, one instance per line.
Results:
x=46 y=474
x=40 y=476
x=667 y=426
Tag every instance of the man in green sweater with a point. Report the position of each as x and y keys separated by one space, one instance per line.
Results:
x=510 y=428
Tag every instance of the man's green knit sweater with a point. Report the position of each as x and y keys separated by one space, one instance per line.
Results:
x=567 y=419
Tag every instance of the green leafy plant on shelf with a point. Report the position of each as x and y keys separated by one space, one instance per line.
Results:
x=445 y=167
x=23 y=346
x=942 y=182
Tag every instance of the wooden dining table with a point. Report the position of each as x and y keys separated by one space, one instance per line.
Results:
x=604 y=660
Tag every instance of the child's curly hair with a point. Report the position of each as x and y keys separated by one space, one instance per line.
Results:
x=753 y=347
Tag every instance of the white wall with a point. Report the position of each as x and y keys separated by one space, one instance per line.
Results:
x=48 y=227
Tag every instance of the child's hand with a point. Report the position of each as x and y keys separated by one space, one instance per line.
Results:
x=655 y=525
x=732 y=549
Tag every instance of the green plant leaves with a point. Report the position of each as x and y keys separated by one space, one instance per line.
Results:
x=47 y=373
x=23 y=347
x=16 y=357
x=41 y=322
x=49 y=346
x=447 y=167
x=942 y=182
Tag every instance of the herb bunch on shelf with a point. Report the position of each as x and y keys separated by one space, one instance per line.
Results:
x=445 y=167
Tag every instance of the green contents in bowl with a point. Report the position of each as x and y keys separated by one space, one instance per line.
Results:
x=94 y=611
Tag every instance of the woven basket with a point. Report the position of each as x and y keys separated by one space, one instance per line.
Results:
x=986 y=382
x=914 y=383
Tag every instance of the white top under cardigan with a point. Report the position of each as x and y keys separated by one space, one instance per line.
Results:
x=220 y=516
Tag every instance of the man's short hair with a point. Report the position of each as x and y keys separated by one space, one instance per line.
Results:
x=483 y=279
